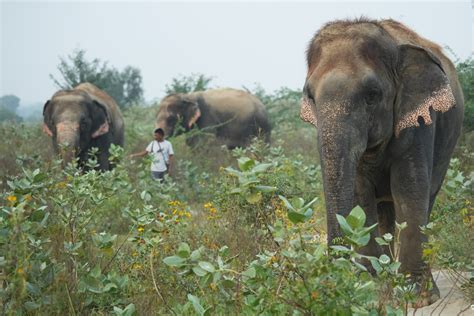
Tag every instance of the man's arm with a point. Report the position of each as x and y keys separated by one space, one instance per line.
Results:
x=140 y=154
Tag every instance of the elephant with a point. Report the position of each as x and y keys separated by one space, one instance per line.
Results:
x=80 y=119
x=234 y=116
x=388 y=110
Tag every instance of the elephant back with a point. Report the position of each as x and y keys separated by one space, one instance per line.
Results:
x=240 y=102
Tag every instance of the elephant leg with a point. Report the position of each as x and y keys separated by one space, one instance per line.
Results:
x=386 y=219
x=103 y=160
x=365 y=198
x=410 y=184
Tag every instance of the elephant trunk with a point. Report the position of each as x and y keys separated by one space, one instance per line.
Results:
x=339 y=160
x=68 y=140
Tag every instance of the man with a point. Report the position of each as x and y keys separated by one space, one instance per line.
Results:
x=162 y=154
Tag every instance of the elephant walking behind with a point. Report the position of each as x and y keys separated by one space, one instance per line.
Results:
x=388 y=109
x=233 y=116
x=80 y=119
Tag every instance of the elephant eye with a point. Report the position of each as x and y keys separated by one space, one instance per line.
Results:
x=373 y=96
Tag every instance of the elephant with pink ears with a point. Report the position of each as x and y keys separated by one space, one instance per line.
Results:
x=80 y=119
x=388 y=109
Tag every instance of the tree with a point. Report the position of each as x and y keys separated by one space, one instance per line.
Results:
x=8 y=106
x=10 y=102
x=186 y=84
x=124 y=86
x=466 y=78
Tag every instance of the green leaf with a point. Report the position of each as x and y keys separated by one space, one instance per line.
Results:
x=384 y=259
x=250 y=273
x=227 y=283
x=340 y=248
x=296 y=217
x=196 y=254
x=183 y=250
x=346 y=229
x=401 y=226
x=254 y=198
x=96 y=272
x=199 y=272
x=245 y=163
x=145 y=196
x=261 y=167
x=207 y=266
x=394 y=266
x=287 y=203
x=356 y=218
x=388 y=237
x=376 y=265
x=174 y=261
x=381 y=241
x=31 y=305
x=297 y=202
x=265 y=188
x=196 y=304
x=310 y=203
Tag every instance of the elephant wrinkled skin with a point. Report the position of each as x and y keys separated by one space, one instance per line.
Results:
x=80 y=119
x=388 y=109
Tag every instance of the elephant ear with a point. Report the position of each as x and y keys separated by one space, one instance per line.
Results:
x=46 y=129
x=192 y=113
x=100 y=119
x=306 y=111
x=423 y=86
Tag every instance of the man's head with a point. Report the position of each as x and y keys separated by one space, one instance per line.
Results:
x=159 y=134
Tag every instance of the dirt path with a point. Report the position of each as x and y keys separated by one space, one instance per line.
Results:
x=452 y=301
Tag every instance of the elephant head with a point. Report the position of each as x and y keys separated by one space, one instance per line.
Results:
x=177 y=112
x=363 y=90
x=73 y=120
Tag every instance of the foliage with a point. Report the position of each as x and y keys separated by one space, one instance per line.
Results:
x=187 y=84
x=453 y=212
x=283 y=105
x=465 y=71
x=8 y=107
x=10 y=102
x=241 y=233
x=125 y=86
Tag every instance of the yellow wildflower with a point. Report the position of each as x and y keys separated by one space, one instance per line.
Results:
x=141 y=229
x=11 y=199
x=188 y=214
x=136 y=266
x=208 y=205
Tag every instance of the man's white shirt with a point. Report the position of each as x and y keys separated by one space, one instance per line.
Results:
x=160 y=153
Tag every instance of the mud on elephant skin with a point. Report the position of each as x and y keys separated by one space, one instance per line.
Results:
x=388 y=109
x=233 y=116
x=80 y=119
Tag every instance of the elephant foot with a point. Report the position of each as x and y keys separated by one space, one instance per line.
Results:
x=427 y=293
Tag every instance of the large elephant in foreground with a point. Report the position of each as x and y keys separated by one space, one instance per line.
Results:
x=388 y=109
x=234 y=116
x=80 y=119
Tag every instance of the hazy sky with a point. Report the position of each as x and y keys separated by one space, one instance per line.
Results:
x=238 y=43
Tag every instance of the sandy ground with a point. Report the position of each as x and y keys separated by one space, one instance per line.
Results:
x=452 y=301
